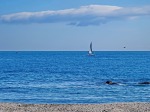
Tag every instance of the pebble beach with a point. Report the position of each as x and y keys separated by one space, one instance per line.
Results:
x=114 y=107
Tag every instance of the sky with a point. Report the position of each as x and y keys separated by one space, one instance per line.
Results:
x=70 y=25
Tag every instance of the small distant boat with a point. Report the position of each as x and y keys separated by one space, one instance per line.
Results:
x=90 y=50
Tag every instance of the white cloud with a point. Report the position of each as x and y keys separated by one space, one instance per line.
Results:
x=83 y=16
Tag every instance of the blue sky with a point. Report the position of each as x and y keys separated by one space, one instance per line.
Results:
x=66 y=25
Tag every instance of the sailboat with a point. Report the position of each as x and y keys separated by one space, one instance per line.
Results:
x=90 y=50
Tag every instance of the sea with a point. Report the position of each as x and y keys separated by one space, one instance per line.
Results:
x=70 y=77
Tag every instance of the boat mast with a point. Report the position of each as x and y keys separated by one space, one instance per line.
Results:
x=90 y=50
x=91 y=47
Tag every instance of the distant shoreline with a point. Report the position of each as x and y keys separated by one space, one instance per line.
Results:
x=110 y=107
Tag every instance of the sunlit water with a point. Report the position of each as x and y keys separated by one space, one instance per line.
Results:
x=74 y=77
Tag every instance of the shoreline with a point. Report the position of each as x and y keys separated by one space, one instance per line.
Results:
x=110 y=107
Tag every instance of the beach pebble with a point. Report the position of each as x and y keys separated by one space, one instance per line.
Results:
x=114 y=107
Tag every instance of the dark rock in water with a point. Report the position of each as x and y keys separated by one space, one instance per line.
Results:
x=111 y=83
x=144 y=83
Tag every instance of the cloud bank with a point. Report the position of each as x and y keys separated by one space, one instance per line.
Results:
x=82 y=16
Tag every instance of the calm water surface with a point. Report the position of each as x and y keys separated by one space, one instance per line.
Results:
x=74 y=77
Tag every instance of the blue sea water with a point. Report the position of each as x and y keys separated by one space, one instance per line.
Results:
x=74 y=77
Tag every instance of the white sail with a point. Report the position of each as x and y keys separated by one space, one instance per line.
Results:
x=90 y=50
